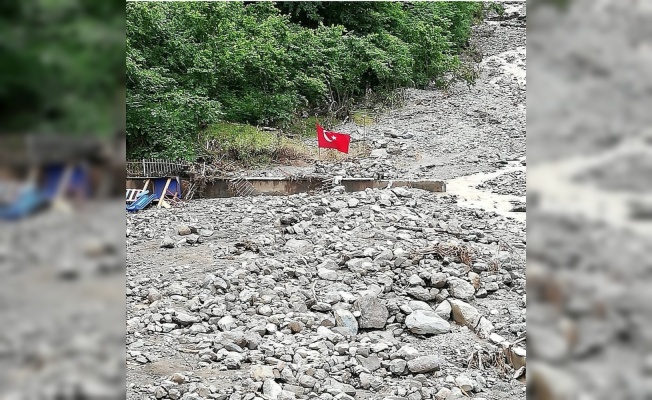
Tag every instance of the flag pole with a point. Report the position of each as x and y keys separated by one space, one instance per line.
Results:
x=318 y=148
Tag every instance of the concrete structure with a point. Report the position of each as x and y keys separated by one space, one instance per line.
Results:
x=220 y=188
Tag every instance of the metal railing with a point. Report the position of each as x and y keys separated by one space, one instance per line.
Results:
x=153 y=168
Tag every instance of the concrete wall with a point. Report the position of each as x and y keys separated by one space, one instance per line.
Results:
x=282 y=186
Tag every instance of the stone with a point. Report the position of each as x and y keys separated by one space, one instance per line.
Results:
x=226 y=323
x=328 y=264
x=465 y=383
x=406 y=352
x=419 y=305
x=397 y=366
x=295 y=326
x=178 y=378
x=335 y=387
x=517 y=356
x=168 y=243
x=338 y=205
x=438 y=280
x=443 y=394
x=401 y=192
x=307 y=381
x=444 y=309
x=420 y=293
x=160 y=392
x=262 y=372
x=464 y=313
x=183 y=230
x=299 y=246
x=287 y=395
x=345 y=319
x=327 y=274
x=373 y=313
x=371 y=363
x=271 y=389
x=426 y=323
x=484 y=328
x=265 y=310
x=353 y=202
x=385 y=255
x=424 y=364
x=415 y=280
x=177 y=289
x=496 y=338
x=153 y=295
x=460 y=289
x=185 y=319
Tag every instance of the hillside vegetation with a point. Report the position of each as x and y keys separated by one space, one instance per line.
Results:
x=195 y=69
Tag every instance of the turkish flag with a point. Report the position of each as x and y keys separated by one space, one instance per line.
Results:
x=333 y=140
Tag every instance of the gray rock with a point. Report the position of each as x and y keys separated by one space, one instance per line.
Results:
x=307 y=381
x=401 y=192
x=397 y=366
x=226 y=323
x=262 y=372
x=426 y=323
x=327 y=274
x=420 y=293
x=406 y=352
x=419 y=305
x=385 y=255
x=444 y=309
x=438 y=279
x=345 y=319
x=153 y=295
x=460 y=289
x=465 y=383
x=338 y=205
x=464 y=313
x=378 y=153
x=183 y=230
x=168 y=243
x=371 y=363
x=415 y=280
x=271 y=389
x=485 y=328
x=373 y=313
x=299 y=246
x=185 y=319
x=424 y=364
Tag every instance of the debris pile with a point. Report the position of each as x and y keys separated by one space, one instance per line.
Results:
x=394 y=292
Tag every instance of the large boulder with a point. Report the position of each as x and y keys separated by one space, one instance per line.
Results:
x=425 y=322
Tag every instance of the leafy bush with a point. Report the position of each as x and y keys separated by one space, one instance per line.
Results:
x=191 y=64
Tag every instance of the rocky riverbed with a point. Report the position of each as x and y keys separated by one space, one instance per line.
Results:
x=395 y=292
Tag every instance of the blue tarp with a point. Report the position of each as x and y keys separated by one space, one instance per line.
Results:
x=29 y=199
x=52 y=175
x=159 y=185
x=143 y=200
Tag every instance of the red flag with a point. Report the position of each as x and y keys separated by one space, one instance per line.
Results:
x=333 y=140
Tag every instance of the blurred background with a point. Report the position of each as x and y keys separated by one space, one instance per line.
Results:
x=589 y=184
x=589 y=204
x=62 y=69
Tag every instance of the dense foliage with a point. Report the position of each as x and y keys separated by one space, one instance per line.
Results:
x=192 y=64
x=62 y=67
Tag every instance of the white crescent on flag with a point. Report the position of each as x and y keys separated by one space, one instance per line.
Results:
x=330 y=140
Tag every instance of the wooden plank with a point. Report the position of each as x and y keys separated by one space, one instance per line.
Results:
x=58 y=202
x=165 y=189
